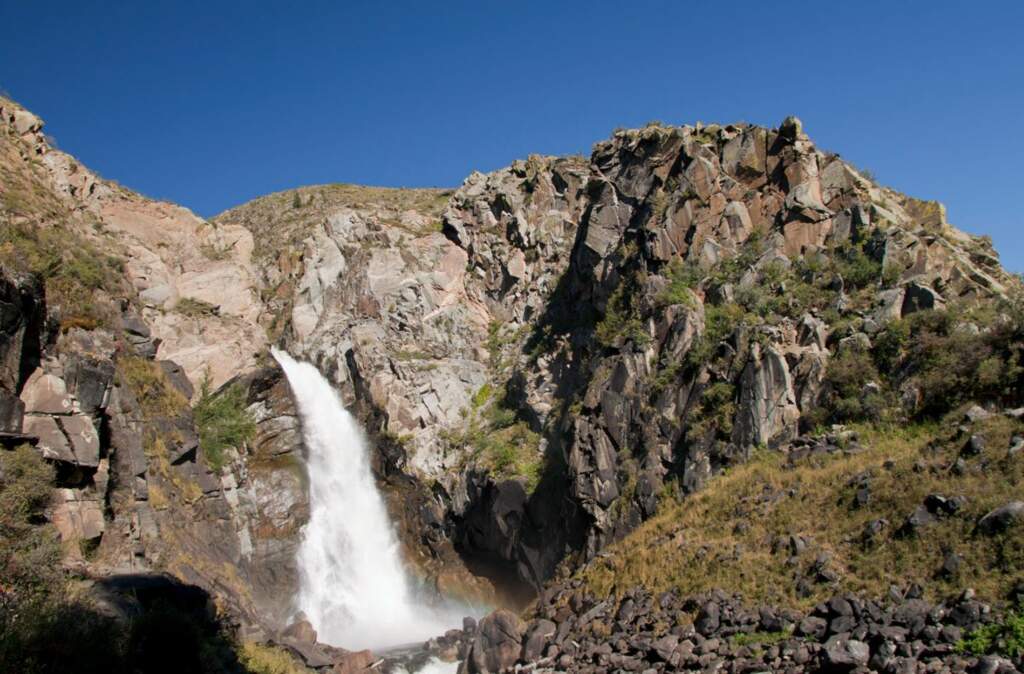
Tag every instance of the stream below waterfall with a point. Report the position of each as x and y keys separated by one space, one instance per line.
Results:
x=353 y=586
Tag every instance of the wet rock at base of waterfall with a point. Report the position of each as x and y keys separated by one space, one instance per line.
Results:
x=312 y=654
x=300 y=630
x=496 y=646
x=355 y=662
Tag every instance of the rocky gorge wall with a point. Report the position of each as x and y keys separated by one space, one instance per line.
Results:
x=539 y=356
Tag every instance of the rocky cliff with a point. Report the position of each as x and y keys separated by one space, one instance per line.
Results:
x=544 y=356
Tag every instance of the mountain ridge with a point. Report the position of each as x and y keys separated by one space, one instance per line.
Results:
x=546 y=357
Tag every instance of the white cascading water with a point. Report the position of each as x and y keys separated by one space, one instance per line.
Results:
x=352 y=585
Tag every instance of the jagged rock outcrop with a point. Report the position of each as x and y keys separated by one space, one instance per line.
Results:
x=680 y=232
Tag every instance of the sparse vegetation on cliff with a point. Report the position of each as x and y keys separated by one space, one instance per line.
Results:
x=222 y=421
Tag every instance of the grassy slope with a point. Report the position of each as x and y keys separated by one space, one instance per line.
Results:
x=722 y=537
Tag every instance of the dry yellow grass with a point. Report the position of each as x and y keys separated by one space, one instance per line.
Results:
x=266 y=659
x=149 y=383
x=723 y=536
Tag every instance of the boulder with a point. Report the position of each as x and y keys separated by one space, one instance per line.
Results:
x=53 y=444
x=83 y=438
x=708 y=619
x=355 y=662
x=46 y=394
x=300 y=630
x=767 y=404
x=313 y=655
x=90 y=383
x=77 y=517
x=496 y=645
x=917 y=520
x=538 y=635
x=178 y=378
x=1002 y=518
x=843 y=654
x=974 y=446
x=919 y=298
x=813 y=627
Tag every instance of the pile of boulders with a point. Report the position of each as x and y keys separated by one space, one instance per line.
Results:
x=573 y=631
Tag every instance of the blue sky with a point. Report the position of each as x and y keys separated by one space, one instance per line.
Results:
x=211 y=104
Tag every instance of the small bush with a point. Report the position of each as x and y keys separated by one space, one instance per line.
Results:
x=481 y=397
x=29 y=550
x=858 y=269
x=719 y=324
x=222 y=421
x=622 y=319
x=717 y=410
x=266 y=659
x=214 y=252
x=190 y=306
x=682 y=279
x=854 y=390
x=1004 y=637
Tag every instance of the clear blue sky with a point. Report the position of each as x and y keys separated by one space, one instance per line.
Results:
x=211 y=104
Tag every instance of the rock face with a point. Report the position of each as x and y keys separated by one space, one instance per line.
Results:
x=535 y=354
x=20 y=322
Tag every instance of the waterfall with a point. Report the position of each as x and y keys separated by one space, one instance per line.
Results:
x=352 y=585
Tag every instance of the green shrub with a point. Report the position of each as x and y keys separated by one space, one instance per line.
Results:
x=952 y=356
x=759 y=638
x=716 y=410
x=622 y=318
x=70 y=636
x=720 y=321
x=222 y=421
x=858 y=269
x=482 y=395
x=1004 y=637
x=846 y=394
x=29 y=551
x=950 y=363
x=56 y=635
x=682 y=279
x=499 y=440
